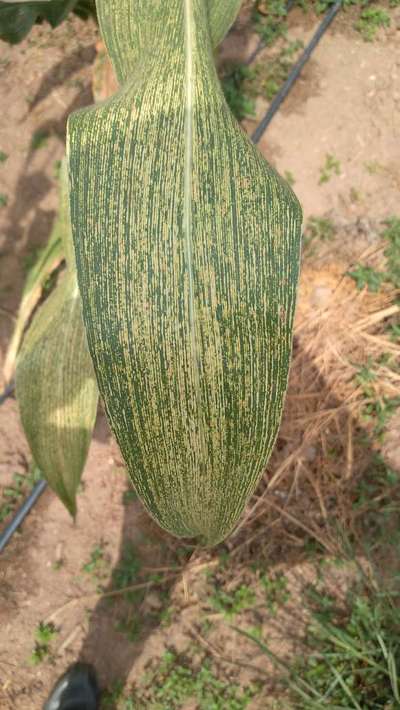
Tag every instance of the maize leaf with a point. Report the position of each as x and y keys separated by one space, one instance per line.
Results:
x=56 y=388
x=187 y=250
x=49 y=259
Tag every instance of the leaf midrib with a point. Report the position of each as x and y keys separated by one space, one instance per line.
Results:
x=188 y=170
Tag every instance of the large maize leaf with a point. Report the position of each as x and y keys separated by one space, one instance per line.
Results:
x=187 y=247
x=56 y=388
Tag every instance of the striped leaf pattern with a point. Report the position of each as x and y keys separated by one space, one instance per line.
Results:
x=56 y=387
x=187 y=250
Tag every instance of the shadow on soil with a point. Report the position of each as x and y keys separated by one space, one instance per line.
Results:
x=20 y=242
x=360 y=507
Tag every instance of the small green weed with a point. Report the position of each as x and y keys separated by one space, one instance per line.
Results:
x=394 y=332
x=277 y=71
x=166 y=616
x=377 y=494
x=355 y=657
x=367 y=277
x=57 y=169
x=379 y=409
x=111 y=696
x=318 y=229
x=373 y=167
x=39 y=139
x=370 y=278
x=331 y=167
x=3 y=200
x=355 y=195
x=3 y=156
x=353 y=653
x=392 y=252
x=232 y=603
x=276 y=591
x=130 y=628
x=57 y=564
x=97 y=560
x=235 y=87
x=127 y=571
x=129 y=496
x=365 y=376
x=175 y=682
x=380 y=412
x=370 y=20
x=270 y=22
x=289 y=177
x=12 y=495
x=44 y=635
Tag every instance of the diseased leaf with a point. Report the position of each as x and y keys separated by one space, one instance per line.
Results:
x=187 y=245
x=56 y=389
x=50 y=258
x=146 y=30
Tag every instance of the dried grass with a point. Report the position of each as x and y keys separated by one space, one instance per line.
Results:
x=321 y=454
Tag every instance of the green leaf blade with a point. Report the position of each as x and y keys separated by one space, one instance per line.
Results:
x=187 y=246
x=56 y=391
x=55 y=382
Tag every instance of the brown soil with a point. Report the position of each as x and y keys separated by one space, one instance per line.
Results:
x=346 y=105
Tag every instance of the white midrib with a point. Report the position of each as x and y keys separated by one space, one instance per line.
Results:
x=187 y=207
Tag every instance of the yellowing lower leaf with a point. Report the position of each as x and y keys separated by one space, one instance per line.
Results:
x=56 y=389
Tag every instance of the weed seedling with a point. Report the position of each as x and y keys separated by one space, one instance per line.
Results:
x=269 y=21
x=130 y=628
x=175 y=683
x=318 y=229
x=331 y=167
x=44 y=634
x=112 y=695
x=373 y=167
x=232 y=603
x=57 y=169
x=3 y=156
x=276 y=592
x=234 y=85
x=96 y=562
x=129 y=496
x=39 y=139
x=289 y=177
x=3 y=200
x=127 y=571
x=12 y=495
x=367 y=277
x=371 y=19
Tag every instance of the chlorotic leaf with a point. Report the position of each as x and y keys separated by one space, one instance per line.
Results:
x=56 y=388
x=187 y=247
x=136 y=26
x=47 y=262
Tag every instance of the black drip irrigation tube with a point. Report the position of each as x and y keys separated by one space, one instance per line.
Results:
x=41 y=485
x=21 y=513
x=262 y=45
x=295 y=72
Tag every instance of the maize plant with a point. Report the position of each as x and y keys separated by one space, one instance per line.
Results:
x=56 y=387
x=187 y=255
